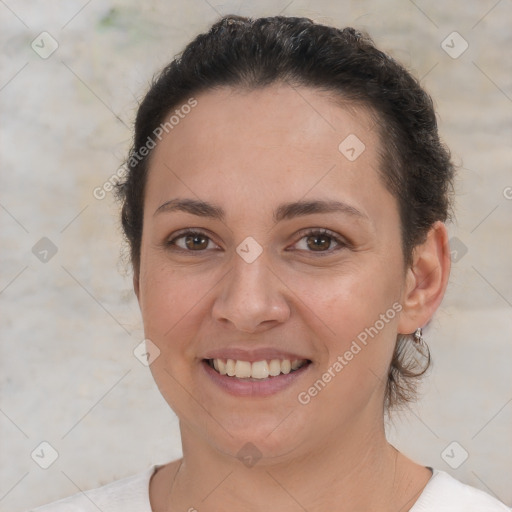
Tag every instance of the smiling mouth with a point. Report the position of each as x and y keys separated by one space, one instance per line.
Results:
x=257 y=370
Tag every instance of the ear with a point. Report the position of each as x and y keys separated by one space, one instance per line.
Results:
x=426 y=280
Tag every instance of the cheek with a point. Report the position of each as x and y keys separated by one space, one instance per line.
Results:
x=356 y=314
x=167 y=297
x=349 y=301
x=170 y=310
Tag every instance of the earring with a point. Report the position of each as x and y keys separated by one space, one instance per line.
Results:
x=418 y=336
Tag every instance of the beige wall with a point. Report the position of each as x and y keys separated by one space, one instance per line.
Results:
x=69 y=325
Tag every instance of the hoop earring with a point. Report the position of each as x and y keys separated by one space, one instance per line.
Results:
x=418 y=336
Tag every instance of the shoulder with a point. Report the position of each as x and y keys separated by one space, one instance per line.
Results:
x=125 y=495
x=443 y=493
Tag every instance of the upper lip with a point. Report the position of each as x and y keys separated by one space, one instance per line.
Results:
x=253 y=355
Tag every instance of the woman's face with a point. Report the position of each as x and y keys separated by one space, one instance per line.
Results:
x=255 y=285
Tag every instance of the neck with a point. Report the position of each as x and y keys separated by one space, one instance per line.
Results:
x=345 y=471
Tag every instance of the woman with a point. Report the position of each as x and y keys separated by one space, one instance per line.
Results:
x=284 y=205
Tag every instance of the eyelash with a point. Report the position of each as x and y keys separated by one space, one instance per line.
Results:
x=305 y=234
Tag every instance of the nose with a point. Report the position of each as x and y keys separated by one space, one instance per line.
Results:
x=252 y=297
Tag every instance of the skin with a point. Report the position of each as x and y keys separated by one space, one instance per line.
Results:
x=248 y=152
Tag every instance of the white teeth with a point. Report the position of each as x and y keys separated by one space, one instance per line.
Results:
x=295 y=364
x=258 y=369
x=243 y=369
x=230 y=367
x=222 y=366
x=275 y=367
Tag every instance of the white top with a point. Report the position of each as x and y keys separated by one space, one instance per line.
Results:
x=443 y=493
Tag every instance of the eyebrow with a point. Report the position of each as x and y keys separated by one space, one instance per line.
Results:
x=285 y=211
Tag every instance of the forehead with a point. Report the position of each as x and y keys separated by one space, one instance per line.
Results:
x=270 y=141
x=286 y=112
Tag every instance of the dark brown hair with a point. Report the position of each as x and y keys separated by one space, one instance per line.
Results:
x=248 y=53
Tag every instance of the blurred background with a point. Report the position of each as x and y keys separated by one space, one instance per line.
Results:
x=74 y=396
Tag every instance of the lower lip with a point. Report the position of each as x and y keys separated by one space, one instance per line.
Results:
x=259 y=388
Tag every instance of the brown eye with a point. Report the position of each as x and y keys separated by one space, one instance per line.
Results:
x=190 y=241
x=321 y=241
x=196 y=242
